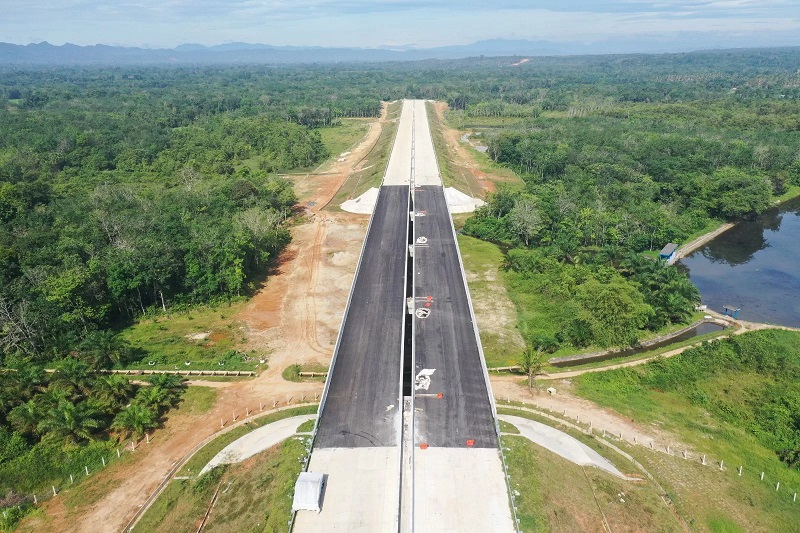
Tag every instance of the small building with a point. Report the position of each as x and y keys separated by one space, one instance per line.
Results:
x=308 y=492
x=668 y=252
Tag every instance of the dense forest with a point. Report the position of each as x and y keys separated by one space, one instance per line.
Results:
x=126 y=191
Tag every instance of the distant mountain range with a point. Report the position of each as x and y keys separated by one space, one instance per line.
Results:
x=239 y=53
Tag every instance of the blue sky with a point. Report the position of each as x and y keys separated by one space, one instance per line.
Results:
x=167 y=23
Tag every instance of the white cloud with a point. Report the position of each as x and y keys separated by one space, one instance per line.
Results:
x=377 y=22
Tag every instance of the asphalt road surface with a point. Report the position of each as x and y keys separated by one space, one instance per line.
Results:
x=363 y=408
x=445 y=341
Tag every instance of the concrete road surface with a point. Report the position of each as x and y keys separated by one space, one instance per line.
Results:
x=459 y=490
x=561 y=444
x=426 y=168
x=398 y=171
x=361 y=493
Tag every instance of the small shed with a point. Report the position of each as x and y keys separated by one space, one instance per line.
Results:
x=308 y=491
x=668 y=252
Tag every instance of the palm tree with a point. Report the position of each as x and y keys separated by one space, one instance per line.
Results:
x=73 y=377
x=26 y=417
x=104 y=349
x=69 y=421
x=531 y=363
x=112 y=391
x=171 y=384
x=135 y=420
x=27 y=380
x=791 y=457
x=153 y=397
x=167 y=381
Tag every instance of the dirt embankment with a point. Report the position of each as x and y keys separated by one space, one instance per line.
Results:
x=464 y=159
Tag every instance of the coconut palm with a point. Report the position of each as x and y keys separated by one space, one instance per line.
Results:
x=531 y=363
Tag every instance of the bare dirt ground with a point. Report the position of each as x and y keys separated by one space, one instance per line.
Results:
x=512 y=388
x=296 y=316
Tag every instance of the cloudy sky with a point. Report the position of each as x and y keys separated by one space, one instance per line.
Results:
x=371 y=23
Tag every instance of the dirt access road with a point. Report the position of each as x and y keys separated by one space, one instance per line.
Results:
x=295 y=317
x=464 y=161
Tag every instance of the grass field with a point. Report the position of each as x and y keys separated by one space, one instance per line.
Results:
x=553 y=494
x=255 y=495
x=496 y=316
x=704 y=496
x=374 y=164
x=339 y=139
x=205 y=336
x=711 y=413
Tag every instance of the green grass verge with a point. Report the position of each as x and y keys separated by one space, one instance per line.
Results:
x=552 y=494
x=203 y=336
x=197 y=400
x=496 y=315
x=292 y=372
x=205 y=454
x=253 y=496
x=792 y=192
x=306 y=426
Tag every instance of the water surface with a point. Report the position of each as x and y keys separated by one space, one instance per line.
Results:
x=701 y=329
x=754 y=266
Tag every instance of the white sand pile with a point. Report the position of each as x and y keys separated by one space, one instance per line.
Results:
x=460 y=202
x=364 y=204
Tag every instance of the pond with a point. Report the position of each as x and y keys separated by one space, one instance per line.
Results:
x=754 y=266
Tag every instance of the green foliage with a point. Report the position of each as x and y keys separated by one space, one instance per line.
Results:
x=209 y=480
x=54 y=424
x=734 y=194
x=766 y=405
x=604 y=298
x=136 y=419
x=50 y=463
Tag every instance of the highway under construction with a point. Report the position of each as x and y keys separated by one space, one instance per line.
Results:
x=407 y=437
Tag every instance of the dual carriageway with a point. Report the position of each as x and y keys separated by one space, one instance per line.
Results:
x=407 y=434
